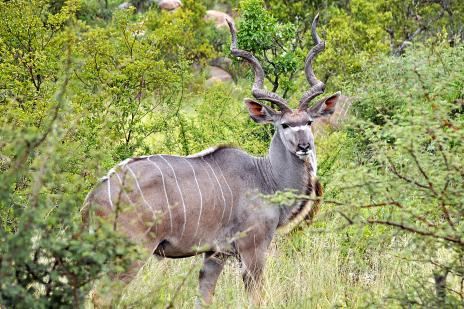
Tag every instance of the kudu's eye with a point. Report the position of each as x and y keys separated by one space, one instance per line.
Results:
x=309 y=122
x=285 y=126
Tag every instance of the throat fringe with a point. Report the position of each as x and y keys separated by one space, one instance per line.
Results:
x=305 y=210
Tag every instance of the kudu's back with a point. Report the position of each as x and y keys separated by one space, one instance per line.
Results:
x=177 y=206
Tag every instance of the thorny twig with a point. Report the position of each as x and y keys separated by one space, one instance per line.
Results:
x=432 y=188
x=406 y=179
x=414 y=230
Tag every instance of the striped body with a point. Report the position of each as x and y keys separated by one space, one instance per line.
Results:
x=181 y=206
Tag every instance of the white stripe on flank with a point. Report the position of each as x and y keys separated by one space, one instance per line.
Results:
x=119 y=165
x=201 y=196
x=123 y=190
x=181 y=196
x=165 y=192
x=141 y=192
x=220 y=187
x=230 y=190
x=126 y=194
x=212 y=186
x=109 y=193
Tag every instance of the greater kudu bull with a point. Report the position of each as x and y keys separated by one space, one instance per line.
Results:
x=183 y=206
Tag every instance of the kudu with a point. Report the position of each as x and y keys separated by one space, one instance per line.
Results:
x=213 y=203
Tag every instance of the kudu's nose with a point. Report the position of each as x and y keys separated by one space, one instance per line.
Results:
x=304 y=147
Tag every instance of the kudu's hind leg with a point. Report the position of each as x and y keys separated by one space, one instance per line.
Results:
x=209 y=274
x=119 y=282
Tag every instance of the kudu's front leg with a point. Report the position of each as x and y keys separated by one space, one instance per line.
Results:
x=253 y=259
x=209 y=274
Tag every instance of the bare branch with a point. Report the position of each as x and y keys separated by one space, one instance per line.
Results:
x=421 y=170
x=411 y=37
x=432 y=188
x=406 y=179
x=348 y=219
x=414 y=230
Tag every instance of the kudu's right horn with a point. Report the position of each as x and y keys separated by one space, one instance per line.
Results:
x=317 y=87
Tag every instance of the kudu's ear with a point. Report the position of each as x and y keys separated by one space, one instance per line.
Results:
x=260 y=113
x=324 y=107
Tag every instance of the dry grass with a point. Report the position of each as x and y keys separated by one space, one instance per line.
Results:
x=308 y=270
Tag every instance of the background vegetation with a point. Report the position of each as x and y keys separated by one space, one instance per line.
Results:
x=84 y=85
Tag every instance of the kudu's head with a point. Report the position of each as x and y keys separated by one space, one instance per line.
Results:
x=293 y=125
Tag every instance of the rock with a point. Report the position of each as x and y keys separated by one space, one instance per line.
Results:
x=124 y=5
x=212 y=80
x=169 y=5
x=218 y=18
x=218 y=75
x=140 y=5
x=221 y=62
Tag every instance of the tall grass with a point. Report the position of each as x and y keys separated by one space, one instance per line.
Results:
x=304 y=270
x=325 y=265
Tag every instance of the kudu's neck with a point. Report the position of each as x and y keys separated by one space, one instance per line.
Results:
x=286 y=169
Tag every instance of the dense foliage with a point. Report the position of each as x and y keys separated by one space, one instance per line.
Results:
x=85 y=84
x=407 y=173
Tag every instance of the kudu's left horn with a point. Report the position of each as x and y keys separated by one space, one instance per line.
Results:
x=258 y=90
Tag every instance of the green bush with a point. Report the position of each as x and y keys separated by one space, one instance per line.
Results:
x=409 y=179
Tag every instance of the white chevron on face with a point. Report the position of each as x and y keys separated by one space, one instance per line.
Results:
x=299 y=128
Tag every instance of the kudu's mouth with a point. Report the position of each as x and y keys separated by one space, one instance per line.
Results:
x=309 y=156
x=303 y=154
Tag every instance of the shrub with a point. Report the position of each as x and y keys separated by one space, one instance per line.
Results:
x=410 y=179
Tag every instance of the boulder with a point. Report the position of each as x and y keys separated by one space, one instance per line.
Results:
x=169 y=5
x=218 y=18
x=221 y=62
x=124 y=5
x=218 y=75
x=140 y=6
